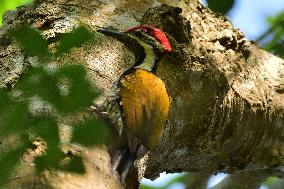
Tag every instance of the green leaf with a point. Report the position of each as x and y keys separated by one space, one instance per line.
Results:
x=15 y=119
x=4 y=100
x=144 y=186
x=46 y=127
x=92 y=132
x=276 y=20
x=31 y=40
x=274 y=183
x=76 y=38
x=51 y=160
x=272 y=39
x=178 y=179
x=220 y=6
x=10 y=5
x=37 y=82
x=8 y=163
x=76 y=165
x=80 y=93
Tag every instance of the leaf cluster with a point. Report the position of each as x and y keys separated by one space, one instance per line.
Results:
x=273 y=39
x=65 y=89
x=10 y=5
x=201 y=180
x=220 y=6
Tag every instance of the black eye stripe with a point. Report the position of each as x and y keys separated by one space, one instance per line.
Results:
x=148 y=39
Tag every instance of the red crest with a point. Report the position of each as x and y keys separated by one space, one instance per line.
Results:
x=156 y=33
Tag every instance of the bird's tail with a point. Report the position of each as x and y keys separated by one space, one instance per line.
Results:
x=123 y=163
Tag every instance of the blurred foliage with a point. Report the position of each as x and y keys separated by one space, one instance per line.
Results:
x=168 y=184
x=10 y=5
x=273 y=39
x=220 y=6
x=65 y=89
x=31 y=41
x=85 y=133
x=79 y=36
x=196 y=180
x=274 y=183
x=9 y=161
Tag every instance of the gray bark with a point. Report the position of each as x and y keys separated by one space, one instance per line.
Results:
x=226 y=93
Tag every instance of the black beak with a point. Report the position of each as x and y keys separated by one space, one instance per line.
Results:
x=109 y=31
x=127 y=40
x=121 y=36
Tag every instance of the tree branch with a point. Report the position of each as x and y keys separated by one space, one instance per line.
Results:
x=226 y=93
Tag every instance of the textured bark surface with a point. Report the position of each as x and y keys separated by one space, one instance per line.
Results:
x=226 y=93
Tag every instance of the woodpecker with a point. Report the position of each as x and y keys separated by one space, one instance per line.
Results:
x=143 y=97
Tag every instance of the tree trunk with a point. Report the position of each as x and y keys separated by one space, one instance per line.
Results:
x=226 y=112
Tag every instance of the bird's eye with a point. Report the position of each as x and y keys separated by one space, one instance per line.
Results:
x=145 y=30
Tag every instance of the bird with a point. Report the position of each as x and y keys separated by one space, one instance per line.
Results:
x=143 y=98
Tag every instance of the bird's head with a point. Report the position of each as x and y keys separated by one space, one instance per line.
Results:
x=145 y=33
x=148 y=44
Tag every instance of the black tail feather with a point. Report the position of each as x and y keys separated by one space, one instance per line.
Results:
x=123 y=163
